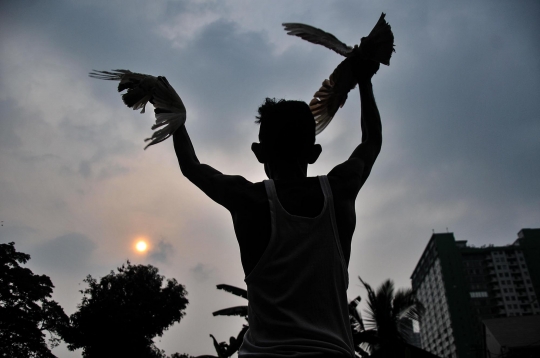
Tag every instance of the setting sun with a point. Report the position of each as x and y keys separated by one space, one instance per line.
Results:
x=141 y=246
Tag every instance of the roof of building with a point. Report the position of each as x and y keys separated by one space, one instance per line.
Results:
x=519 y=331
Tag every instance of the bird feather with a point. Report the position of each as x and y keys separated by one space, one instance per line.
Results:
x=332 y=95
x=169 y=109
x=318 y=37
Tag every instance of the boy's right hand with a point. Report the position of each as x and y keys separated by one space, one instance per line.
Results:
x=364 y=69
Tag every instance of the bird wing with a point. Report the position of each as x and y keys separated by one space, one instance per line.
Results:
x=377 y=46
x=317 y=36
x=141 y=89
x=332 y=94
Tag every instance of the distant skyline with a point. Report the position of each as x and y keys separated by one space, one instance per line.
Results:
x=459 y=107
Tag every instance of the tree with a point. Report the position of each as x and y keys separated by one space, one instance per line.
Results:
x=25 y=310
x=122 y=312
x=387 y=313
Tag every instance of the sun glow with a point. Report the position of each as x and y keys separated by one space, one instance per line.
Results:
x=141 y=246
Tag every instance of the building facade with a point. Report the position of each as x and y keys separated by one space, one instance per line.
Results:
x=461 y=285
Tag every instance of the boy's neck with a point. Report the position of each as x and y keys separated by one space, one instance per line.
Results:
x=286 y=171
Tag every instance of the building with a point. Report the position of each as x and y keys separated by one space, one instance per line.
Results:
x=512 y=337
x=461 y=285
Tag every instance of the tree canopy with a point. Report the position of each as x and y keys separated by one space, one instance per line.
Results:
x=122 y=312
x=25 y=310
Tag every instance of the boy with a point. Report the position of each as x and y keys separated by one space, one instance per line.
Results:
x=294 y=231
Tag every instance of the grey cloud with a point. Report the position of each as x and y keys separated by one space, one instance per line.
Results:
x=16 y=233
x=161 y=251
x=202 y=272
x=64 y=253
x=9 y=139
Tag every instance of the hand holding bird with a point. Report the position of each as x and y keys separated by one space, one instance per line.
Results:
x=377 y=47
x=141 y=89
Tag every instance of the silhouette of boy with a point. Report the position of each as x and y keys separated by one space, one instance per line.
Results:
x=294 y=231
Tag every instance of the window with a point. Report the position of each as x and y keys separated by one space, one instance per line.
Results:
x=481 y=294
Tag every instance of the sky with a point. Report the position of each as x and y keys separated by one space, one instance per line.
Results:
x=459 y=105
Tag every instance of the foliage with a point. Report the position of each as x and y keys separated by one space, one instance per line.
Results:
x=25 y=310
x=388 y=311
x=223 y=349
x=122 y=312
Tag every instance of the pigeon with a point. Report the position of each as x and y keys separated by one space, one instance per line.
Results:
x=141 y=89
x=378 y=46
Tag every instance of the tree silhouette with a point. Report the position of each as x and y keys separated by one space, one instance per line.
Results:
x=224 y=349
x=387 y=313
x=122 y=312
x=25 y=310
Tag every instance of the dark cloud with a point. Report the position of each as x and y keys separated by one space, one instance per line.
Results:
x=9 y=138
x=16 y=233
x=70 y=252
x=202 y=272
x=161 y=251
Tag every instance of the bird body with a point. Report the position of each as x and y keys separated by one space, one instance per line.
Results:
x=141 y=89
x=377 y=46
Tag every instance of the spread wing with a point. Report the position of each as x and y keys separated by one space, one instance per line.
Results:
x=377 y=46
x=317 y=36
x=141 y=89
x=332 y=94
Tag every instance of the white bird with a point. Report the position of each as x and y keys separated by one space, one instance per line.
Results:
x=377 y=46
x=141 y=89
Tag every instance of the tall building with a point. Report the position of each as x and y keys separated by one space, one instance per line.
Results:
x=461 y=285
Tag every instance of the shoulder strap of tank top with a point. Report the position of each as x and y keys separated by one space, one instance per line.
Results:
x=327 y=190
x=271 y=193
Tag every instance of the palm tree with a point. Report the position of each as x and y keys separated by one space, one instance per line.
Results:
x=387 y=315
x=223 y=349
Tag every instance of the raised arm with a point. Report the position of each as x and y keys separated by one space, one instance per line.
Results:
x=221 y=188
x=370 y=122
x=358 y=167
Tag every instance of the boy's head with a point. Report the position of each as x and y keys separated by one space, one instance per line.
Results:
x=287 y=132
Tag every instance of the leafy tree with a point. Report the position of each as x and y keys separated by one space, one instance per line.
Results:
x=25 y=310
x=387 y=312
x=122 y=312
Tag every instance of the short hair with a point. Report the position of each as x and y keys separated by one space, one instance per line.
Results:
x=287 y=127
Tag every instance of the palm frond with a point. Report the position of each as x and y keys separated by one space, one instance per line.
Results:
x=241 y=311
x=234 y=290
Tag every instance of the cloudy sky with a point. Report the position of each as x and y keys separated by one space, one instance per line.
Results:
x=460 y=107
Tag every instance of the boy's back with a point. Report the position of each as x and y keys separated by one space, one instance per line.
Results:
x=301 y=197
x=297 y=289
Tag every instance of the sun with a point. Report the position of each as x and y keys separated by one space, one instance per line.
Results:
x=141 y=246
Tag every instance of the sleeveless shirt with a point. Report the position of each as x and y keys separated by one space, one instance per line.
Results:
x=297 y=292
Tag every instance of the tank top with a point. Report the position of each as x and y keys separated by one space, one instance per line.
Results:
x=297 y=292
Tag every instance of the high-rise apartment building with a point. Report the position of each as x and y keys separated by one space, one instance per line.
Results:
x=460 y=285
